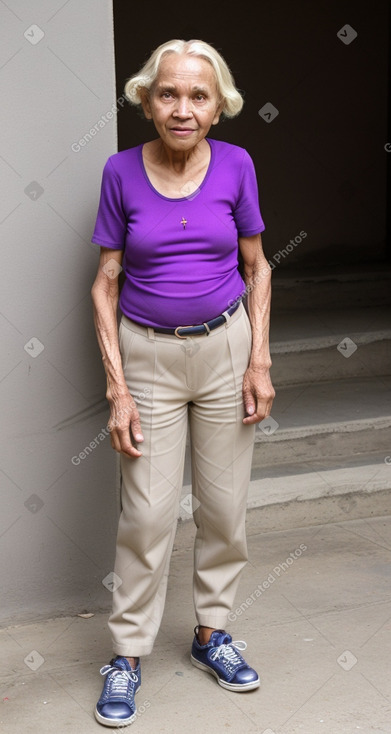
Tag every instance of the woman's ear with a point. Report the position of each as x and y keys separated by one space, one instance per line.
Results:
x=145 y=103
x=218 y=112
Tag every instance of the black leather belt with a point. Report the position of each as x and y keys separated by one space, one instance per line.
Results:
x=184 y=331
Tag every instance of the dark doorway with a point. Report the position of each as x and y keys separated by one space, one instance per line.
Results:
x=321 y=162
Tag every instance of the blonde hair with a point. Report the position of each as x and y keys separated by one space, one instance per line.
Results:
x=233 y=101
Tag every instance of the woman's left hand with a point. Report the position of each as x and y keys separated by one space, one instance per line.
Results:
x=258 y=394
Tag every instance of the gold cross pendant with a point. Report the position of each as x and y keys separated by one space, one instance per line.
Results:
x=184 y=222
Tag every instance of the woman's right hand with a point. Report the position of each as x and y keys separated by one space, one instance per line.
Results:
x=124 y=425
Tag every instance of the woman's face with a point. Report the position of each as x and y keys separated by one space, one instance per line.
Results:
x=183 y=102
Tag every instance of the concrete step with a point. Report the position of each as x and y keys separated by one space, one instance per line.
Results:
x=340 y=418
x=308 y=346
x=318 y=478
x=361 y=285
x=323 y=491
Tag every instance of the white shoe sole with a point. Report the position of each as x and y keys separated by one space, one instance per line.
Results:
x=116 y=722
x=229 y=686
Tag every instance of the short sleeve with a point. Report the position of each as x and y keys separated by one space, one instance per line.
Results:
x=110 y=225
x=247 y=214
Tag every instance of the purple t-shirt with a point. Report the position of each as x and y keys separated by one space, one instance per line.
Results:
x=180 y=255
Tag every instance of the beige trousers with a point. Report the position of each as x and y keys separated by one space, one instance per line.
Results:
x=175 y=382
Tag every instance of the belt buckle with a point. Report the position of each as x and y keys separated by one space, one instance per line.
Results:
x=180 y=335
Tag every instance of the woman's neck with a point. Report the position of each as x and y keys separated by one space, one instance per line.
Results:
x=177 y=161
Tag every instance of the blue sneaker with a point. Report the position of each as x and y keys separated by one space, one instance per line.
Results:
x=221 y=657
x=116 y=706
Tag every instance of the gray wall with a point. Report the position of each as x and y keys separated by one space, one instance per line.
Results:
x=58 y=519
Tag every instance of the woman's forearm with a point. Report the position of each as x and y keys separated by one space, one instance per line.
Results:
x=124 y=424
x=105 y=320
x=258 y=284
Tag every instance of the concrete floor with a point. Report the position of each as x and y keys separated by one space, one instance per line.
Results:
x=319 y=635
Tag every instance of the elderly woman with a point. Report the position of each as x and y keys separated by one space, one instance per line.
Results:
x=173 y=215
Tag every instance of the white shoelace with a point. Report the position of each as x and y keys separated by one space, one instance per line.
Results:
x=119 y=679
x=228 y=655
